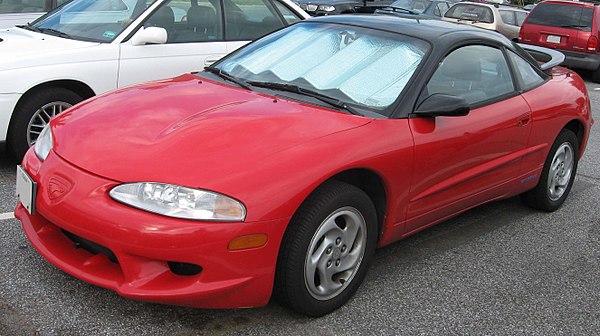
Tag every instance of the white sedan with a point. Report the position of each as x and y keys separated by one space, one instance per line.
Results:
x=87 y=47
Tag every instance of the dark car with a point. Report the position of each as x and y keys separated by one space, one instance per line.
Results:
x=571 y=27
x=329 y=7
x=427 y=9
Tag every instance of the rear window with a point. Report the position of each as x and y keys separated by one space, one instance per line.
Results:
x=470 y=12
x=560 y=15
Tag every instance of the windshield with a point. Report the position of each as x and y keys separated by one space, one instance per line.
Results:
x=360 y=66
x=562 y=15
x=417 y=6
x=471 y=12
x=91 y=20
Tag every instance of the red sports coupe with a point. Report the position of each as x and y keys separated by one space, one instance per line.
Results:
x=281 y=168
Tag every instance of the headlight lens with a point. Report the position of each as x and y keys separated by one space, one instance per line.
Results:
x=44 y=143
x=179 y=202
x=326 y=8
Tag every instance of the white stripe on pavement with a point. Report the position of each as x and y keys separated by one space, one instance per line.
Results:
x=7 y=215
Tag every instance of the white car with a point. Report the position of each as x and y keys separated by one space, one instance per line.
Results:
x=15 y=12
x=87 y=47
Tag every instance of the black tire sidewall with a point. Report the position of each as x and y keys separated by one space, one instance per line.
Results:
x=327 y=199
x=26 y=108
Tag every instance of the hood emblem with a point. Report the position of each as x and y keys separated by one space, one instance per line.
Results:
x=58 y=187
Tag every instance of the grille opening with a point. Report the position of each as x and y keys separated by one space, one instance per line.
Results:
x=90 y=246
x=181 y=268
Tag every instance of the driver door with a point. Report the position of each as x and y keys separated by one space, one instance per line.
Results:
x=194 y=40
x=465 y=161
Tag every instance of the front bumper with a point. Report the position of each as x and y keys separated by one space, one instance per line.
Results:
x=70 y=199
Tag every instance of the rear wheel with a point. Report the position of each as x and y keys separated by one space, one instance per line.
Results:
x=30 y=116
x=327 y=249
x=558 y=174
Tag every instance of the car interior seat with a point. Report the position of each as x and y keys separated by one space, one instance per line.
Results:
x=201 y=24
x=459 y=75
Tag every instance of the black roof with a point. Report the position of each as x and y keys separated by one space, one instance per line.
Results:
x=435 y=31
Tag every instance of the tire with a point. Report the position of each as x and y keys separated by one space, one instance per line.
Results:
x=558 y=174
x=33 y=113
x=337 y=226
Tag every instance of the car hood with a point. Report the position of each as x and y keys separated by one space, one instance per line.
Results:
x=187 y=130
x=23 y=48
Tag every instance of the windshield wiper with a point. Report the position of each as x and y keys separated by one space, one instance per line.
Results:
x=228 y=77
x=296 y=89
x=28 y=26
x=52 y=31
x=573 y=26
x=409 y=11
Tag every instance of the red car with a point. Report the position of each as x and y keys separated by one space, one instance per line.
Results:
x=569 y=26
x=281 y=168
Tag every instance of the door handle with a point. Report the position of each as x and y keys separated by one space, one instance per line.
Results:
x=524 y=119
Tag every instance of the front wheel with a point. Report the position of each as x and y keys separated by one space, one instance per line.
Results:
x=32 y=115
x=327 y=249
x=558 y=174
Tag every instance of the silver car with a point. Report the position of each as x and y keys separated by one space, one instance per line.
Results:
x=503 y=19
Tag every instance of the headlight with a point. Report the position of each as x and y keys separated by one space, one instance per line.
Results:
x=326 y=8
x=44 y=143
x=179 y=202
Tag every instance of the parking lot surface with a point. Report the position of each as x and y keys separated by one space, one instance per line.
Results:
x=501 y=268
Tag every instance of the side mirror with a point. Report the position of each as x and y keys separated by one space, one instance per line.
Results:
x=442 y=105
x=150 y=35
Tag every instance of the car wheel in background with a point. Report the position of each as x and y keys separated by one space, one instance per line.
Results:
x=558 y=174
x=33 y=113
x=327 y=249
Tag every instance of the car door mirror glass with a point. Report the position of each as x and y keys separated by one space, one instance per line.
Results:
x=439 y=104
x=150 y=35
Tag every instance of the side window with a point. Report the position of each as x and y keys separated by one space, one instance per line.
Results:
x=22 y=6
x=188 y=21
x=508 y=17
x=527 y=77
x=249 y=19
x=289 y=16
x=441 y=9
x=520 y=18
x=476 y=73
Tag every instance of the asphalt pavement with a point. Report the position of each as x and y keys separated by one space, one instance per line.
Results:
x=499 y=269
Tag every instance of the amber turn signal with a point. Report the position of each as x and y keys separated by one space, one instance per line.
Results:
x=248 y=242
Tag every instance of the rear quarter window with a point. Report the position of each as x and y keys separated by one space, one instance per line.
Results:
x=561 y=15
x=471 y=12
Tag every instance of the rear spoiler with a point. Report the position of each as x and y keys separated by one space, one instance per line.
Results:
x=542 y=54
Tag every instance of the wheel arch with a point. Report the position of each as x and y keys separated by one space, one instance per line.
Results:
x=80 y=88
x=576 y=126
x=372 y=184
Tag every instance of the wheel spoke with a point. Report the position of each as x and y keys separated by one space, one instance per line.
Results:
x=48 y=116
x=42 y=117
x=351 y=260
x=335 y=253
x=561 y=169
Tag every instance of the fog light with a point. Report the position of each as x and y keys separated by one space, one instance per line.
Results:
x=181 y=268
x=248 y=242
